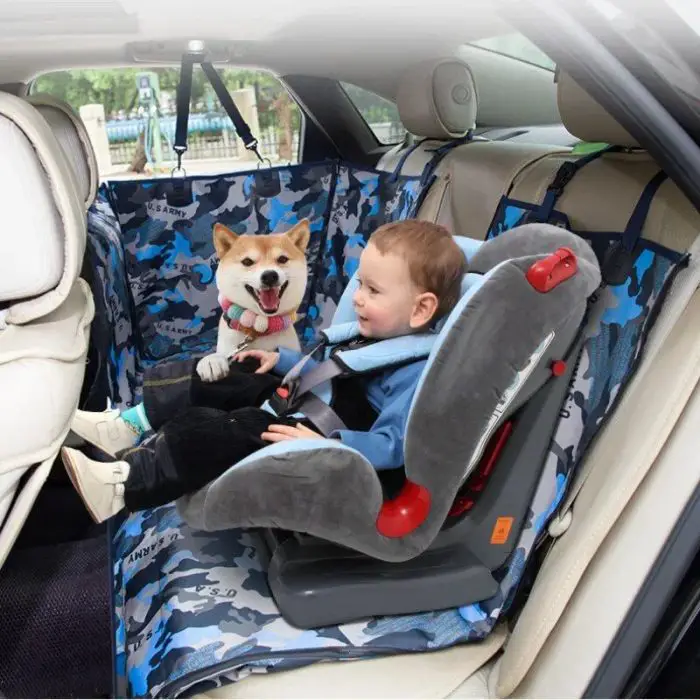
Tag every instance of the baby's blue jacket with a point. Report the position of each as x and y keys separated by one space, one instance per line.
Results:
x=390 y=394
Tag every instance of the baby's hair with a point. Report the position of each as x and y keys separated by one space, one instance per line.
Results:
x=435 y=262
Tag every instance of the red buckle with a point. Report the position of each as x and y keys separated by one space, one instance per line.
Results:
x=283 y=392
x=545 y=275
x=405 y=513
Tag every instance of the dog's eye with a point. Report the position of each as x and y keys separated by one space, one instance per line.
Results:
x=282 y=259
x=247 y=262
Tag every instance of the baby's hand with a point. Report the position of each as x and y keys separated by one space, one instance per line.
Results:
x=279 y=433
x=267 y=359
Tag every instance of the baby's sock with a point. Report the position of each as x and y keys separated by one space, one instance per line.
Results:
x=137 y=419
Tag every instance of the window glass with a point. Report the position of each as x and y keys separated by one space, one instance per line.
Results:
x=130 y=115
x=381 y=114
x=516 y=46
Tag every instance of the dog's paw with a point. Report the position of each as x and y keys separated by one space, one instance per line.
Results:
x=212 y=368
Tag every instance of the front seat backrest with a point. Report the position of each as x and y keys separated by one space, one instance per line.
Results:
x=437 y=102
x=585 y=118
x=70 y=131
x=42 y=247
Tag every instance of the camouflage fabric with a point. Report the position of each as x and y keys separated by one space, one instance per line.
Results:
x=511 y=213
x=112 y=330
x=194 y=608
x=620 y=320
x=170 y=258
x=363 y=200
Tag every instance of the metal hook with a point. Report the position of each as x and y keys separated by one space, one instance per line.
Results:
x=264 y=160
x=178 y=168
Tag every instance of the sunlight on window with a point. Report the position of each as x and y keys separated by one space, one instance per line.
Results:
x=516 y=46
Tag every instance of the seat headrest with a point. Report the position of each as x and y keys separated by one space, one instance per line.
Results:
x=437 y=99
x=71 y=133
x=44 y=222
x=585 y=118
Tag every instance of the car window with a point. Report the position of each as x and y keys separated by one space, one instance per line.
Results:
x=130 y=115
x=381 y=114
x=660 y=45
x=516 y=46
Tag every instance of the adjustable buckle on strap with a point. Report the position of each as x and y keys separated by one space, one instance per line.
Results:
x=179 y=152
x=563 y=177
x=253 y=146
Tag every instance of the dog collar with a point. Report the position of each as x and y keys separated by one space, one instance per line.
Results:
x=252 y=324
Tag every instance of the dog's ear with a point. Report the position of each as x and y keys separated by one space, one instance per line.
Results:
x=300 y=234
x=224 y=238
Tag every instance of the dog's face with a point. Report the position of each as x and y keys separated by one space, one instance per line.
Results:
x=266 y=274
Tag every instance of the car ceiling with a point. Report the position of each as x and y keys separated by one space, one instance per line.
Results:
x=347 y=41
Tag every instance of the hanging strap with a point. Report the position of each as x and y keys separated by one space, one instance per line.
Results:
x=440 y=152
x=635 y=225
x=242 y=129
x=563 y=177
x=404 y=158
x=618 y=261
x=184 y=94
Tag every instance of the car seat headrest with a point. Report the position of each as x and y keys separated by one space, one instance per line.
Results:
x=585 y=118
x=43 y=244
x=437 y=99
x=536 y=239
x=70 y=132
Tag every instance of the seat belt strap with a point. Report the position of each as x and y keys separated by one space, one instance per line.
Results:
x=321 y=414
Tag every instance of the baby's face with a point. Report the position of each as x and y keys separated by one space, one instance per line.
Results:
x=386 y=300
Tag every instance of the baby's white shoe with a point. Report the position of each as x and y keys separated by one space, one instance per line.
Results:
x=100 y=484
x=106 y=430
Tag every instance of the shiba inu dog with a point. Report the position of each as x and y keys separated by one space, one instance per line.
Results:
x=261 y=282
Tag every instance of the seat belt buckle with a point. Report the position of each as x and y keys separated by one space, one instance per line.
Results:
x=283 y=400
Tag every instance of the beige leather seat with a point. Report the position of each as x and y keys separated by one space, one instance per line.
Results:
x=437 y=103
x=69 y=130
x=45 y=309
x=635 y=481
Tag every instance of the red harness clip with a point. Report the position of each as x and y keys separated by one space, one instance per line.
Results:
x=546 y=274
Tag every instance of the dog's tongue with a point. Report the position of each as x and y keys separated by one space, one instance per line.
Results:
x=270 y=298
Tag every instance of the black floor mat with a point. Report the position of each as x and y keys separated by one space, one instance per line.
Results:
x=55 y=633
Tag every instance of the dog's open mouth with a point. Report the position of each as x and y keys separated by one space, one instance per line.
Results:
x=268 y=298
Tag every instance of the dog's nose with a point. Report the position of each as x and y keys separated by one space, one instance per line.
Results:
x=269 y=278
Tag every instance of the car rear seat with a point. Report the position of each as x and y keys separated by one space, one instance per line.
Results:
x=45 y=309
x=601 y=197
x=437 y=103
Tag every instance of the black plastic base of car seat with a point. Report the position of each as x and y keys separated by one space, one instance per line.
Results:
x=316 y=583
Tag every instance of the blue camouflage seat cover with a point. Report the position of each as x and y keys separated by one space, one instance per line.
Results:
x=155 y=260
x=193 y=609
